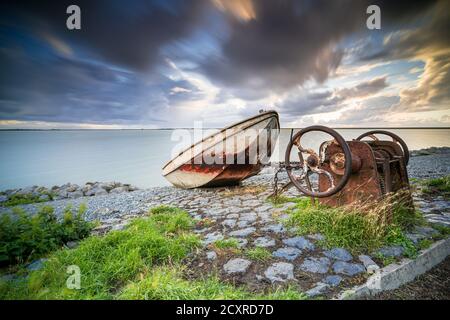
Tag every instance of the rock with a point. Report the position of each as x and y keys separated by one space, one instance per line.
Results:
x=368 y=263
x=36 y=265
x=100 y=192
x=72 y=244
x=211 y=237
x=415 y=237
x=119 y=190
x=3 y=198
x=338 y=254
x=132 y=188
x=211 y=255
x=107 y=186
x=264 y=242
x=43 y=197
x=426 y=231
x=120 y=226
x=26 y=190
x=349 y=269
x=248 y=216
x=280 y=271
x=242 y=232
x=287 y=253
x=233 y=216
x=242 y=242
x=237 y=265
x=263 y=208
x=316 y=265
x=9 y=277
x=72 y=188
x=299 y=242
x=275 y=228
x=316 y=236
x=243 y=224
x=319 y=289
x=391 y=251
x=230 y=223
x=333 y=280
x=62 y=194
x=75 y=194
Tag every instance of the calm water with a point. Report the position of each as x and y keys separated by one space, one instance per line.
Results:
x=132 y=156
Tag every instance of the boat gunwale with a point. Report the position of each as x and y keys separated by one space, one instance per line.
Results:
x=273 y=112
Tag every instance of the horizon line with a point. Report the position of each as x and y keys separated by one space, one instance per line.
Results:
x=190 y=128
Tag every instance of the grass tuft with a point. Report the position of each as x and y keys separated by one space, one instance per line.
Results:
x=167 y=283
x=224 y=244
x=437 y=186
x=108 y=263
x=360 y=228
x=258 y=254
x=24 y=237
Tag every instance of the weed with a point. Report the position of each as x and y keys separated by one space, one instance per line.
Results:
x=230 y=243
x=108 y=263
x=359 y=228
x=258 y=254
x=24 y=238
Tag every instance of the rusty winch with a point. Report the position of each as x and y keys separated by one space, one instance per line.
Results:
x=347 y=172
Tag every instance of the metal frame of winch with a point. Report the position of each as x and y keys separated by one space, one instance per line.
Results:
x=349 y=172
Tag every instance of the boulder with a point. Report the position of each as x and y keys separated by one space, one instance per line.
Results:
x=75 y=194
x=391 y=251
x=333 y=280
x=36 y=265
x=287 y=253
x=100 y=192
x=349 y=269
x=280 y=271
x=119 y=190
x=299 y=242
x=242 y=232
x=237 y=265
x=338 y=254
x=319 y=289
x=264 y=242
x=316 y=265
x=44 y=197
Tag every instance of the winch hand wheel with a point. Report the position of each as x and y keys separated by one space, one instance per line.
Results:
x=312 y=164
x=394 y=137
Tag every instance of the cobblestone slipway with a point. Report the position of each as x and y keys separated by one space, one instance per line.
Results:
x=245 y=214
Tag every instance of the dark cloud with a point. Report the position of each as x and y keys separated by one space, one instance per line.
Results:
x=363 y=89
x=290 y=42
x=302 y=103
x=429 y=43
x=109 y=71
x=129 y=33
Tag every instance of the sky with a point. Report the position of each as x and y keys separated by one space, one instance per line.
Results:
x=168 y=64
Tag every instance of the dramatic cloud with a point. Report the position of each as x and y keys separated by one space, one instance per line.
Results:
x=431 y=44
x=167 y=63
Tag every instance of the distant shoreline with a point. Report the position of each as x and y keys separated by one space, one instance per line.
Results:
x=337 y=128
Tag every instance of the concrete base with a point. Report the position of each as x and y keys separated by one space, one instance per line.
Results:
x=394 y=275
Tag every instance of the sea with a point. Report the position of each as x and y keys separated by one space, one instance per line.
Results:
x=55 y=157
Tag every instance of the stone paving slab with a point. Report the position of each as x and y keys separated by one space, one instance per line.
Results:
x=247 y=216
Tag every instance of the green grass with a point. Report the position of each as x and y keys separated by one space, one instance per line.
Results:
x=19 y=199
x=281 y=199
x=144 y=261
x=425 y=244
x=258 y=254
x=108 y=263
x=24 y=238
x=437 y=186
x=360 y=229
x=168 y=284
x=224 y=244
